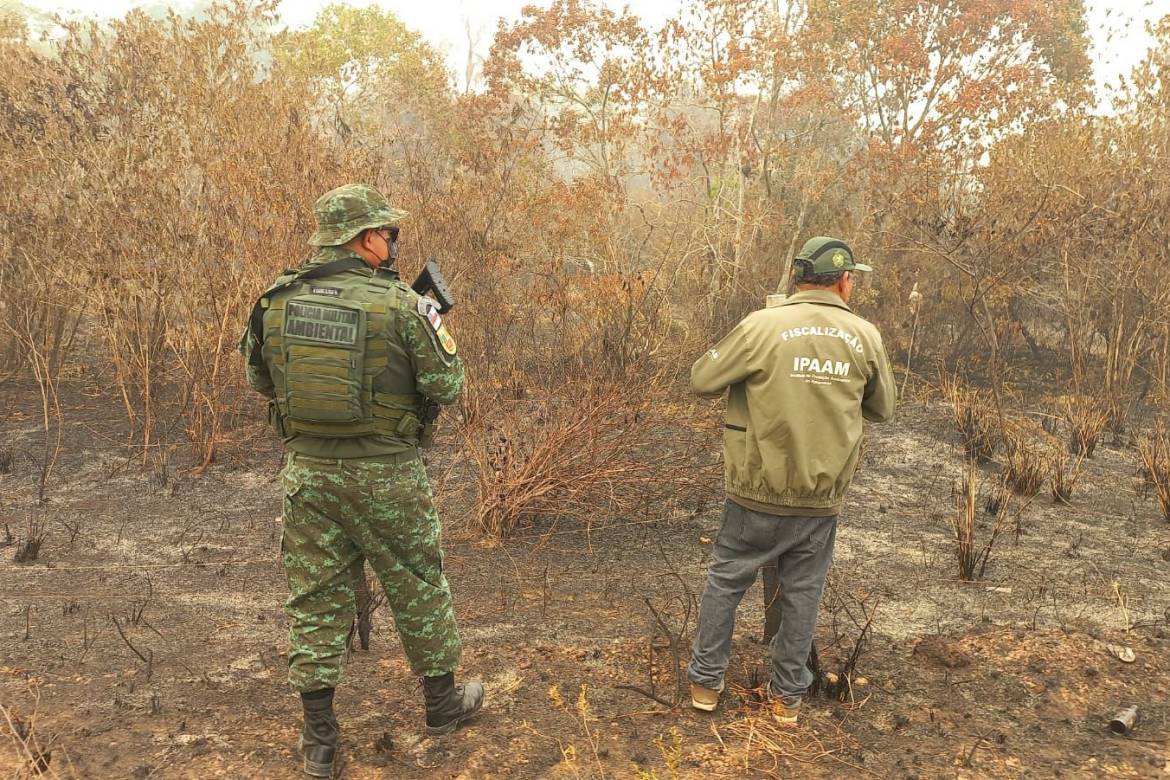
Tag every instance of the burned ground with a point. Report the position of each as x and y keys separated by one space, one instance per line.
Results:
x=146 y=638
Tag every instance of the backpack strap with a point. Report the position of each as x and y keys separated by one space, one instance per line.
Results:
x=332 y=267
x=256 y=319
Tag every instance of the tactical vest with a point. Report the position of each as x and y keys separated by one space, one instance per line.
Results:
x=325 y=346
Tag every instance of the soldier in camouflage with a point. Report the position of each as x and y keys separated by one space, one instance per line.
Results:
x=350 y=358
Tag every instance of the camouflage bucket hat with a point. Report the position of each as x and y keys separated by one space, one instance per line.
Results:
x=828 y=256
x=346 y=211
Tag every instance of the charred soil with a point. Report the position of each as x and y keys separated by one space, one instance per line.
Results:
x=146 y=638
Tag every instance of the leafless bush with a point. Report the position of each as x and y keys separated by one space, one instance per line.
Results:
x=598 y=454
x=677 y=612
x=1086 y=418
x=180 y=166
x=7 y=459
x=73 y=528
x=147 y=659
x=45 y=359
x=44 y=309
x=971 y=555
x=1154 y=450
x=850 y=613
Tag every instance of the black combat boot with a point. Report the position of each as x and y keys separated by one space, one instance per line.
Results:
x=320 y=737
x=449 y=704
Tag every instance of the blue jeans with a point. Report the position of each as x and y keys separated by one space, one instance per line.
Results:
x=803 y=549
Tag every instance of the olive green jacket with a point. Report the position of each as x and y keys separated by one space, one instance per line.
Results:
x=417 y=363
x=801 y=375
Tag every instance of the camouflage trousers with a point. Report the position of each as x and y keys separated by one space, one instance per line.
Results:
x=337 y=514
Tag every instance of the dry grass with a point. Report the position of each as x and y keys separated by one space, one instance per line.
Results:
x=1154 y=451
x=975 y=418
x=764 y=742
x=1087 y=418
x=762 y=732
x=37 y=755
x=971 y=554
x=1064 y=471
x=999 y=498
x=29 y=549
x=1023 y=467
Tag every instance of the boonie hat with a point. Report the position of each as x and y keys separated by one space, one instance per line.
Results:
x=827 y=255
x=346 y=211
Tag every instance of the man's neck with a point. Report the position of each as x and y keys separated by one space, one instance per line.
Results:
x=816 y=288
x=366 y=255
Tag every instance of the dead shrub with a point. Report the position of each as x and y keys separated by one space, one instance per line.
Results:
x=850 y=615
x=7 y=460
x=44 y=308
x=975 y=418
x=1154 y=451
x=594 y=456
x=1086 y=419
x=971 y=555
x=180 y=165
x=1023 y=467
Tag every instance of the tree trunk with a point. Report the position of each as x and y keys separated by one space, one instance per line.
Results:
x=363 y=603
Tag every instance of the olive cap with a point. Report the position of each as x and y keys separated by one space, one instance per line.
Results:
x=346 y=211
x=827 y=255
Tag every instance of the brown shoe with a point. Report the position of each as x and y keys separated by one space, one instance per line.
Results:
x=785 y=709
x=705 y=699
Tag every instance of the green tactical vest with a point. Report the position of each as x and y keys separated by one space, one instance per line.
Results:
x=326 y=347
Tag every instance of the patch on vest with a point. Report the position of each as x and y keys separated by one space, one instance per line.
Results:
x=429 y=309
x=333 y=291
x=324 y=324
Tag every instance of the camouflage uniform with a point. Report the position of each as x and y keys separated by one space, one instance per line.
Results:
x=355 y=488
x=337 y=513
